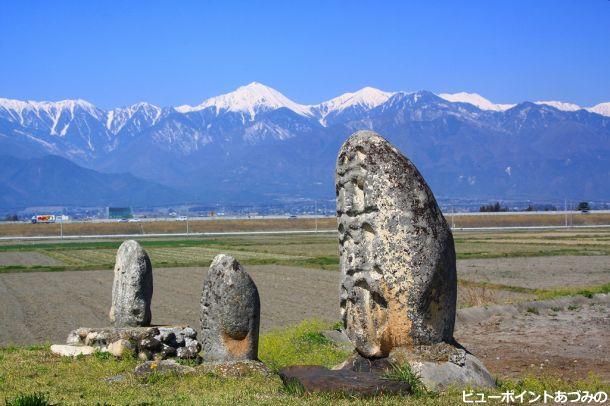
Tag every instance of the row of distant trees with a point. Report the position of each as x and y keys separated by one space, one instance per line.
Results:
x=497 y=207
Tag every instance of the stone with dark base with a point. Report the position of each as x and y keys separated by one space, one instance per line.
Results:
x=230 y=312
x=397 y=254
x=132 y=288
x=314 y=378
x=397 y=258
x=438 y=366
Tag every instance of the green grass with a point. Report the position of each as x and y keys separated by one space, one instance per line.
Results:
x=300 y=345
x=28 y=372
x=541 y=294
x=34 y=399
x=404 y=373
x=310 y=251
x=538 y=384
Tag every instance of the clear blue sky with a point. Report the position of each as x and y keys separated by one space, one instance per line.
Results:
x=176 y=52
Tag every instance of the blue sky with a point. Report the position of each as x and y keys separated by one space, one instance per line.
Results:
x=171 y=53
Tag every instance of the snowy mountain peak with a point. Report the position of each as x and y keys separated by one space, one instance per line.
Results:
x=474 y=99
x=250 y=99
x=560 y=105
x=142 y=115
x=601 y=108
x=367 y=98
x=20 y=106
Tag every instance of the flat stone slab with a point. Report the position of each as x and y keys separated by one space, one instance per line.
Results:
x=315 y=378
x=67 y=350
x=438 y=376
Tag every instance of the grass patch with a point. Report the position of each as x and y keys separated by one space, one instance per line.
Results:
x=301 y=345
x=540 y=294
x=81 y=380
x=312 y=338
x=34 y=399
x=293 y=387
x=404 y=373
x=538 y=384
x=307 y=250
x=533 y=310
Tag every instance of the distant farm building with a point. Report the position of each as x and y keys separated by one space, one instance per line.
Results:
x=119 y=213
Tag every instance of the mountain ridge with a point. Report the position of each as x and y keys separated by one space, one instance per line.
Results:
x=252 y=144
x=53 y=180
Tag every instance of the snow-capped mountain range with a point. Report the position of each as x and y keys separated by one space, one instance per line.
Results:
x=484 y=104
x=256 y=143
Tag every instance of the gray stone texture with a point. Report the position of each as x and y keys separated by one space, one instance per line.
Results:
x=397 y=255
x=230 y=312
x=158 y=342
x=132 y=289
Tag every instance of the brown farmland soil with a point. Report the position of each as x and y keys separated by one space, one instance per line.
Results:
x=225 y=225
x=538 y=272
x=568 y=341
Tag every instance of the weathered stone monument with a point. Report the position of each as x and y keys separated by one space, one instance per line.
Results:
x=398 y=277
x=132 y=289
x=398 y=268
x=230 y=312
x=397 y=255
x=130 y=315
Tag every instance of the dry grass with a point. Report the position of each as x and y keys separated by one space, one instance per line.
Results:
x=224 y=225
x=477 y=296
x=525 y=220
x=160 y=227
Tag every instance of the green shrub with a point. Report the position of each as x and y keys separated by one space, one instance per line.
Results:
x=586 y=293
x=532 y=310
x=102 y=356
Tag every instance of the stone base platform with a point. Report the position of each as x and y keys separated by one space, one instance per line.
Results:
x=156 y=342
x=438 y=366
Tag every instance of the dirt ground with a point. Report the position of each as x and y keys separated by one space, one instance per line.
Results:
x=43 y=307
x=568 y=338
x=538 y=272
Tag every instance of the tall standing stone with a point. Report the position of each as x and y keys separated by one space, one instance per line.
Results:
x=230 y=312
x=132 y=288
x=397 y=253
